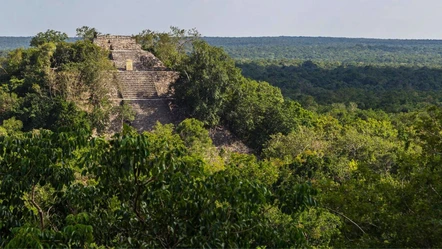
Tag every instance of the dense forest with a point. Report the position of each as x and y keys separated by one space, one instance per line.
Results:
x=388 y=88
x=390 y=75
x=10 y=43
x=345 y=155
x=343 y=50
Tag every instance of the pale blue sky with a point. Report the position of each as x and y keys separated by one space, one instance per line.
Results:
x=338 y=18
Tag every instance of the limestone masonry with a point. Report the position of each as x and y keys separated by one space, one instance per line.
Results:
x=144 y=80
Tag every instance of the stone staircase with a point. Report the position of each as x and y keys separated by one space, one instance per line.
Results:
x=137 y=85
x=143 y=82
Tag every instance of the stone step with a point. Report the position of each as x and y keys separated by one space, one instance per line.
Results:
x=145 y=84
x=137 y=85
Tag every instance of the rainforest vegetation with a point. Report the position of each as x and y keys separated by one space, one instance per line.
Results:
x=347 y=154
x=328 y=49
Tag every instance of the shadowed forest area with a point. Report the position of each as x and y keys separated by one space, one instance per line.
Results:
x=388 y=88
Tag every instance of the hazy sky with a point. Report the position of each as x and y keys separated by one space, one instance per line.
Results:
x=338 y=18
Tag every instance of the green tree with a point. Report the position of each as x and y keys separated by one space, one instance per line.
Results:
x=48 y=36
x=207 y=80
x=171 y=47
x=12 y=125
x=87 y=33
x=32 y=163
x=258 y=110
x=47 y=78
x=192 y=132
x=124 y=113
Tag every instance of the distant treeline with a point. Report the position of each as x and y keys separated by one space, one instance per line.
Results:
x=367 y=51
x=10 y=43
x=392 y=89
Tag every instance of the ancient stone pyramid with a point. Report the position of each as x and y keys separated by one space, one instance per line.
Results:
x=144 y=80
x=141 y=74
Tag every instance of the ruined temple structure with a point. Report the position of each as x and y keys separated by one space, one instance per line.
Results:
x=144 y=80
x=144 y=84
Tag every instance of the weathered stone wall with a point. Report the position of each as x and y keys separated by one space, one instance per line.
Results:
x=164 y=81
x=117 y=42
x=147 y=113
x=142 y=60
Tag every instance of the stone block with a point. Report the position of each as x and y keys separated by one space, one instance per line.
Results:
x=129 y=65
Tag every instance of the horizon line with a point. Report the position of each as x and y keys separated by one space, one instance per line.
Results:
x=280 y=36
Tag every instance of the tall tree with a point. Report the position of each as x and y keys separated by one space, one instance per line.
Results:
x=207 y=78
x=48 y=36
x=87 y=33
x=170 y=47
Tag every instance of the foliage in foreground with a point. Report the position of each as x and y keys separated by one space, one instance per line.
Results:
x=137 y=190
